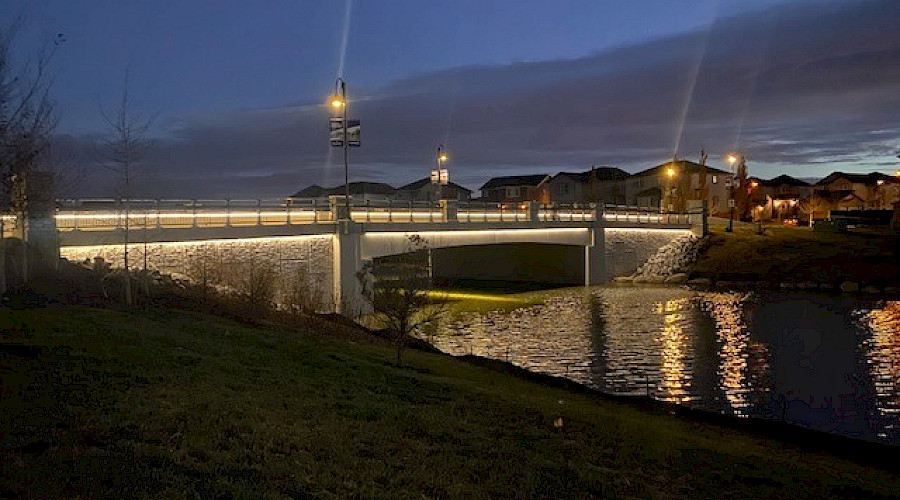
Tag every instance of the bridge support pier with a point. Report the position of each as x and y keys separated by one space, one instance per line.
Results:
x=347 y=289
x=595 y=253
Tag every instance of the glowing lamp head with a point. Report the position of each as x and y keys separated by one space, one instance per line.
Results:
x=879 y=182
x=753 y=184
x=732 y=159
x=443 y=157
x=670 y=172
x=337 y=102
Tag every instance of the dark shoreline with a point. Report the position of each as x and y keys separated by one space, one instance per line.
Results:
x=866 y=452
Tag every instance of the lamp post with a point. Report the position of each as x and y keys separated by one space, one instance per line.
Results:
x=737 y=162
x=441 y=157
x=670 y=190
x=339 y=103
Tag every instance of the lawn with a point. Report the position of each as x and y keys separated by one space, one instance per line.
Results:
x=786 y=253
x=102 y=403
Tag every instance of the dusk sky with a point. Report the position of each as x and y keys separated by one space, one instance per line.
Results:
x=238 y=89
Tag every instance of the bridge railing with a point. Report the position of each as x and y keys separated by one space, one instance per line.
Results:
x=646 y=215
x=492 y=212
x=110 y=214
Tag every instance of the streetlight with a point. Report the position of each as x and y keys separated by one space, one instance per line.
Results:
x=736 y=161
x=670 y=191
x=339 y=104
x=442 y=158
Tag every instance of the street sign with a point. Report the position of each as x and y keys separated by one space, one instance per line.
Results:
x=441 y=177
x=337 y=133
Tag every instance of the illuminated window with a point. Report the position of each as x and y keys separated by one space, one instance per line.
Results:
x=715 y=179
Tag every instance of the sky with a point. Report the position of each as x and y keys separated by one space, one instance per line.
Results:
x=237 y=91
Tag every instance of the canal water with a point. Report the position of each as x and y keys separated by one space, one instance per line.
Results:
x=828 y=362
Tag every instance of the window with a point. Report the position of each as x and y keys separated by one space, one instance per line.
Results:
x=715 y=179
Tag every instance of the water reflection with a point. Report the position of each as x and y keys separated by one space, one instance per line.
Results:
x=803 y=358
x=736 y=351
x=883 y=357
x=675 y=372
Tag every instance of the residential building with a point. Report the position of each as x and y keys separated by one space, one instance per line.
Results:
x=843 y=191
x=677 y=185
x=359 y=191
x=597 y=185
x=513 y=188
x=424 y=190
x=779 y=198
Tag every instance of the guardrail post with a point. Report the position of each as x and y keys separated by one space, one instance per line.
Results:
x=227 y=212
x=533 y=209
x=259 y=212
x=193 y=213
x=449 y=210
x=288 y=214
x=701 y=227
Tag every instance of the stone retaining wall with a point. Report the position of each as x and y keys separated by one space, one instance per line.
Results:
x=626 y=249
x=293 y=256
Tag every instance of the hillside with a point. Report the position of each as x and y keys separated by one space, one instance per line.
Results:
x=101 y=403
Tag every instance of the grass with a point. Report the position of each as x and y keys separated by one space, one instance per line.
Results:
x=785 y=253
x=100 y=403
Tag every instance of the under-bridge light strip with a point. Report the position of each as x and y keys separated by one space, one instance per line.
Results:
x=480 y=232
x=219 y=241
x=648 y=229
x=198 y=215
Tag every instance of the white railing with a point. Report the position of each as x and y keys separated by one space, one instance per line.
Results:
x=111 y=214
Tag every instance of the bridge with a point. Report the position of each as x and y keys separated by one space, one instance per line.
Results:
x=319 y=239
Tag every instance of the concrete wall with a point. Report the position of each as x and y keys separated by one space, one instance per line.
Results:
x=304 y=255
x=527 y=262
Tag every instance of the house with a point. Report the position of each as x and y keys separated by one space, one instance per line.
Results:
x=843 y=191
x=359 y=191
x=779 y=198
x=424 y=190
x=513 y=188
x=679 y=184
x=597 y=185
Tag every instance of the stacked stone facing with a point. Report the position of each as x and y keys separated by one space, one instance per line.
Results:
x=670 y=262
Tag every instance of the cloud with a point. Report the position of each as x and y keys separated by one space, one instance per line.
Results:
x=797 y=88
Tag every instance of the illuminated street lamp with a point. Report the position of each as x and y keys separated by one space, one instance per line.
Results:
x=339 y=105
x=670 y=190
x=442 y=158
x=736 y=161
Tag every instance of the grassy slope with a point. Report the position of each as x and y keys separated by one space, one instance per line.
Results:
x=785 y=253
x=175 y=404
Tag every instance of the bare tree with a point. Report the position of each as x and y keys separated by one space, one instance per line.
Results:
x=398 y=293
x=125 y=147
x=26 y=112
x=812 y=205
x=254 y=283
x=26 y=122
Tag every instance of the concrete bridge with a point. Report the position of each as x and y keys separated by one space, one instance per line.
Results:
x=524 y=242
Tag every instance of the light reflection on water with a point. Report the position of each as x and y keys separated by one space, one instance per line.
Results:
x=827 y=362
